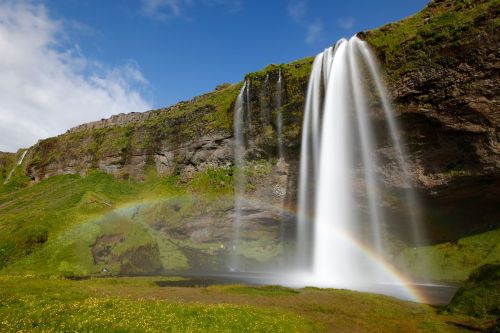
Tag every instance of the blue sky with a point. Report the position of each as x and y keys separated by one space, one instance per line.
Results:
x=66 y=62
x=184 y=48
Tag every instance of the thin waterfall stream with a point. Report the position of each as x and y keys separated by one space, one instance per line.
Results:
x=239 y=175
x=18 y=163
x=279 y=114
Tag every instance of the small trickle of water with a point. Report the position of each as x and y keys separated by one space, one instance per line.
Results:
x=279 y=114
x=19 y=162
x=265 y=110
x=247 y=101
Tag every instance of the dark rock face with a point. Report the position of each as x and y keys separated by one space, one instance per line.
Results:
x=207 y=152
x=450 y=113
x=450 y=118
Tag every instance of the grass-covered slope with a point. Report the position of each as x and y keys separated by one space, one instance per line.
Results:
x=6 y=164
x=430 y=36
x=89 y=147
x=452 y=261
x=480 y=294
x=72 y=225
x=32 y=216
x=127 y=145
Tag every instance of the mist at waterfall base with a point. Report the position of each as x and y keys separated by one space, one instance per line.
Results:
x=341 y=234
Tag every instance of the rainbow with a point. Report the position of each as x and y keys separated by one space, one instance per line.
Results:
x=400 y=285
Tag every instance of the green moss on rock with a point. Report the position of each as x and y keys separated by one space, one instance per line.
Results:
x=480 y=294
x=423 y=39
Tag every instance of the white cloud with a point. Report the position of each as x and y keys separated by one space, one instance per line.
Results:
x=164 y=10
x=314 y=32
x=346 y=23
x=297 y=10
x=46 y=88
x=231 y=5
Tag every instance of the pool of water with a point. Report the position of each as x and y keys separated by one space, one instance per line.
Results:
x=431 y=293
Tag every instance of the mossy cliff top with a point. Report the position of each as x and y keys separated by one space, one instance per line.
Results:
x=434 y=35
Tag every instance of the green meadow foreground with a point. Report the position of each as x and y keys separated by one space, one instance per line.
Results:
x=34 y=304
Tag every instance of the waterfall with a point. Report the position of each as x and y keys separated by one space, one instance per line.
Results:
x=308 y=165
x=265 y=111
x=338 y=243
x=279 y=115
x=248 y=110
x=411 y=201
x=19 y=162
x=242 y=128
x=239 y=174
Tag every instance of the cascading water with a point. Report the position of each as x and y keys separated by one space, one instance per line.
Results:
x=279 y=115
x=19 y=162
x=338 y=243
x=248 y=110
x=242 y=127
x=265 y=110
x=239 y=175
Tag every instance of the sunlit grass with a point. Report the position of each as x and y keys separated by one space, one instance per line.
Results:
x=114 y=314
x=57 y=305
x=452 y=261
x=259 y=290
x=31 y=303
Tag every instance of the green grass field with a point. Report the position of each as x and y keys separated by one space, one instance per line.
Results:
x=34 y=304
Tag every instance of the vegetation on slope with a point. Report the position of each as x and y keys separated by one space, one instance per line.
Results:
x=53 y=226
x=480 y=295
x=7 y=161
x=452 y=261
x=425 y=38
x=86 y=148
x=69 y=225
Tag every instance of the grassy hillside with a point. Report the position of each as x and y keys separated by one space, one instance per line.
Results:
x=118 y=146
x=480 y=294
x=51 y=226
x=453 y=261
x=429 y=37
x=7 y=161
